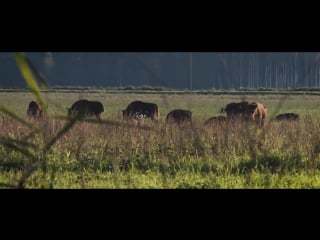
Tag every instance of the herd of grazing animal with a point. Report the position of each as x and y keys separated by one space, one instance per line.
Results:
x=242 y=111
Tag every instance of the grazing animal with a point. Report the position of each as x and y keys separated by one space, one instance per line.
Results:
x=179 y=116
x=287 y=116
x=216 y=120
x=235 y=110
x=246 y=111
x=84 y=107
x=257 y=112
x=34 y=110
x=139 y=108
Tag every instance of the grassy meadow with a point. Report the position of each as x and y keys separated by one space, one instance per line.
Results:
x=117 y=154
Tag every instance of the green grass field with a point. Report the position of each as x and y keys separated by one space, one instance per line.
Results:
x=116 y=154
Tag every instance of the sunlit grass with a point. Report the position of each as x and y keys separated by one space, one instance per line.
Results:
x=91 y=155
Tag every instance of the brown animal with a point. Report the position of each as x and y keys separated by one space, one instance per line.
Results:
x=246 y=111
x=141 y=109
x=34 y=110
x=84 y=107
x=235 y=110
x=179 y=116
x=257 y=112
x=287 y=116
x=216 y=120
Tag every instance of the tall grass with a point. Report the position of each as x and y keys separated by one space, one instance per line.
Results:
x=169 y=153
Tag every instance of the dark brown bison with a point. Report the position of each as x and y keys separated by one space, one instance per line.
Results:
x=287 y=116
x=34 y=110
x=235 y=109
x=246 y=111
x=84 y=107
x=179 y=116
x=138 y=109
x=216 y=120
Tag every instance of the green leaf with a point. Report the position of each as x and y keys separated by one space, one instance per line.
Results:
x=37 y=74
x=14 y=116
x=26 y=71
x=65 y=129
x=11 y=144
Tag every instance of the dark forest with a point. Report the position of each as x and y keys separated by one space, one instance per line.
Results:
x=172 y=70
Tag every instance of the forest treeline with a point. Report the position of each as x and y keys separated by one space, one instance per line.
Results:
x=177 y=70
